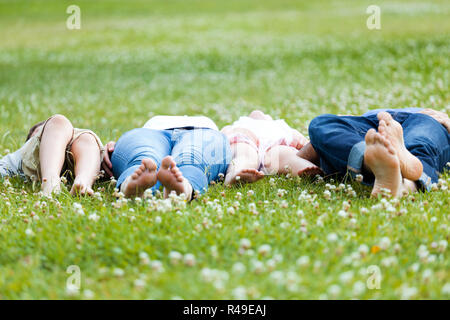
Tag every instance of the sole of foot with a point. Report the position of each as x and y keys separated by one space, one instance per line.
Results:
x=310 y=172
x=410 y=166
x=81 y=188
x=381 y=158
x=245 y=176
x=172 y=179
x=143 y=178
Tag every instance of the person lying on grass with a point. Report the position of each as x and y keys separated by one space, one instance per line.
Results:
x=180 y=153
x=395 y=150
x=261 y=145
x=54 y=147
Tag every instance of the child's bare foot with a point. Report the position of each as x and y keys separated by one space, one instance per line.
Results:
x=310 y=172
x=380 y=157
x=143 y=178
x=245 y=175
x=172 y=179
x=81 y=187
x=51 y=185
x=410 y=166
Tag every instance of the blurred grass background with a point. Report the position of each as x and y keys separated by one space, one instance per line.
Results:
x=292 y=59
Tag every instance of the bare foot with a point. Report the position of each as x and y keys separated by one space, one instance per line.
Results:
x=310 y=172
x=245 y=175
x=81 y=187
x=51 y=185
x=380 y=157
x=172 y=179
x=143 y=178
x=410 y=166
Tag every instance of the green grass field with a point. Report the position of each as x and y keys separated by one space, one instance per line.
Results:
x=292 y=59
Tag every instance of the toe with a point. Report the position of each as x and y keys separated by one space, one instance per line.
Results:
x=370 y=136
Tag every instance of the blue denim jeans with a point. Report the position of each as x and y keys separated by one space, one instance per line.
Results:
x=200 y=154
x=339 y=142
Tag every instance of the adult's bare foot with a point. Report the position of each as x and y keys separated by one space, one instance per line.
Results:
x=172 y=179
x=245 y=175
x=143 y=178
x=381 y=158
x=410 y=166
x=81 y=187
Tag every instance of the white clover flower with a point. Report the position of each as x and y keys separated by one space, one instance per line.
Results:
x=389 y=261
x=427 y=274
x=345 y=205
x=230 y=211
x=175 y=257
x=238 y=267
x=327 y=195
x=446 y=289
x=359 y=177
x=139 y=283
x=284 y=225
x=88 y=294
x=363 y=250
x=157 y=266
x=264 y=249
x=189 y=259
x=78 y=208
x=332 y=237
x=72 y=290
x=239 y=293
x=346 y=277
x=118 y=272
x=250 y=193
x=300 y=213
x=408 y=292
x=271 y=264
x=422 y=252
x=334 y=290
x=385 y=242
x=359 y=288
x=94 y=217
x=281 y=193
x=29 y=232
x=303 y=261
x=257 y=266
x=245 y=243
x=442 y=245
x=158 y=220
x=342 y=214
x=277 y=277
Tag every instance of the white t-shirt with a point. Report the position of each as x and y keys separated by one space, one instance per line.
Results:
x=269 y=132
x=173 y=122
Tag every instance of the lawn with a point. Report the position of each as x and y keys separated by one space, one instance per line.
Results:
x=279 y=238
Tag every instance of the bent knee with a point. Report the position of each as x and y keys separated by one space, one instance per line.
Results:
x=60 y=120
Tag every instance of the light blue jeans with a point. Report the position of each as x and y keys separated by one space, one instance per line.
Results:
x=200 y=154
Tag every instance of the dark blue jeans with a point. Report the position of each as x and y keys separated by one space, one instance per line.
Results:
x=339 y=142
x=201 y=154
